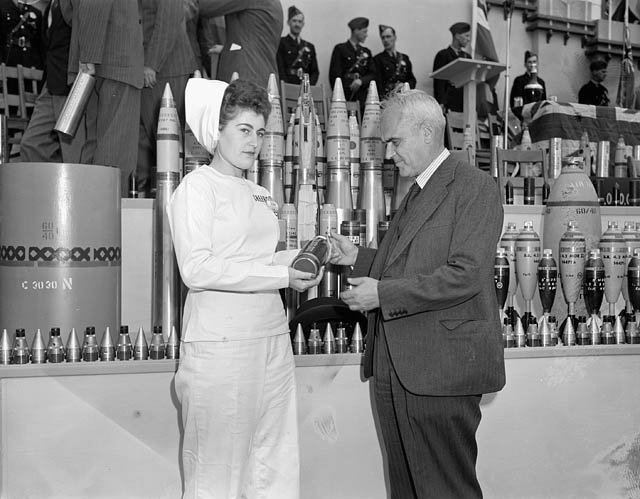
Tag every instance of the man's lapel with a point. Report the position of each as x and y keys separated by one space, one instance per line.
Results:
x=423 y=207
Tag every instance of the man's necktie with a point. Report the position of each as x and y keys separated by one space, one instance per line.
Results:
x=412 y=194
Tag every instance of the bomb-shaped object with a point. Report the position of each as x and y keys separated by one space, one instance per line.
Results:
x=547 y=280
x=501 y=271
x=593 y=288
x=573 y=254
x=613 y=250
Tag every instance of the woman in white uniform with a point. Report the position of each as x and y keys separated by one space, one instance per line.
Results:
x=235 y=381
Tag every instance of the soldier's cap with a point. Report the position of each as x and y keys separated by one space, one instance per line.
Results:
x=459 y=28
x=597 y=65
x=293 y=12
x=383 y=27
x=358 y=23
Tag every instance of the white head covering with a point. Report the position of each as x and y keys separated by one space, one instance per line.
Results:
x=202 y=99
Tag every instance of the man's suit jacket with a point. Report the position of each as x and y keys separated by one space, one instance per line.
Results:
x=166 y=45
x=438 y=305
x=444 y=92
x=108 y=33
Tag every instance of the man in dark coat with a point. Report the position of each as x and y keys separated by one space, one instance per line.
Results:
x=392 y=67
x=450 y=97
x=353 y=62
x=433 y=342
x=295 y=55
x=594 y=92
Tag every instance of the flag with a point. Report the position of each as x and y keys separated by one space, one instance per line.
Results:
x=626 y=83
x=484 y=47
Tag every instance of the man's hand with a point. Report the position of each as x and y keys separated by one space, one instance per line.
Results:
x=355 y=85
x=363 y=297
x=88 y=67
x=149 y=77
x=301 y=281
x=343 y=251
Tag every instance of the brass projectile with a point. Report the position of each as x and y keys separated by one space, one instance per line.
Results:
x=354 y=156
x=618 y=331
x=357 y=341
x=314 y=344
x=288 y=161
x=55 y=347
x=141 y=347
x=172 y=349
x=157 y=349
x=38 y=349
x=521 y=337
x=107 y=349
x=74 y=351
x=299 y=343
x=341 y=339
x=124 y=348
x=569 y=333
x=329 y=341
x=21 y=350
x=6 y=348
x=90 y=345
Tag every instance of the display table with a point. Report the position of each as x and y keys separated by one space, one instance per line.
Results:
x=566 y=425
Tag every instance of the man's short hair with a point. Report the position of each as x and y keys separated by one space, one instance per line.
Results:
x=293 y=12
x=358 y=23
x=417 y=107
x=459 y=28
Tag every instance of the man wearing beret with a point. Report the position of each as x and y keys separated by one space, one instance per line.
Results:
x=392 y=68
x=353 y=63
x=594 y=92
x=295 y=55
x=446 y=94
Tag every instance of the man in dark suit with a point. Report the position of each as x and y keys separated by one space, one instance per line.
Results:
x=353 y=62
x=594 y=92
x=295 y=55
x=168 y=58
x=392 y=67
x=253 y=29
x=106 y=41
x=40 y=143
x=446 y=94
x=433 y=343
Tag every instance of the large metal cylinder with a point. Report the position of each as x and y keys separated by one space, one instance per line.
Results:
x=60 y=250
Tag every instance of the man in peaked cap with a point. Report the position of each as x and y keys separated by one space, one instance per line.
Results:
x=392 y=67
x=353 y=63
x=295 y=55
x=446 y=94
x=594 y=92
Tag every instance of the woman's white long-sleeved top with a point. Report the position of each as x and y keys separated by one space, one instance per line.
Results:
x=225 y=232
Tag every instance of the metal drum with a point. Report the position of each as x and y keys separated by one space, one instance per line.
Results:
x=60 y=250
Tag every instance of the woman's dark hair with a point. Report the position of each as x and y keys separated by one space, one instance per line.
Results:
x=243 y=95
x=528 y=55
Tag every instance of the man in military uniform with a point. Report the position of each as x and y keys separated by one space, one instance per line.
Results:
x=446 y=94
x=392 y=67
x=353 y=63
x=594 y=92
x=295 y=55
x=21 y=34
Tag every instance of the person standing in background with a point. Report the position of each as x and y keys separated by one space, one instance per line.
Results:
x=21 y=34
x=434 y=343
x=594 y=92
x=450 y=97
x=106 y=41
x=40 y=143
x=527 y=87
x=353 y=63
x=295 y=55
x=168 y=58
x=392 y=67
x=253 y=29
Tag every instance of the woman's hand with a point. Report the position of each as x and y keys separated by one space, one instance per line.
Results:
x=343 y=251
x=301 y=281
